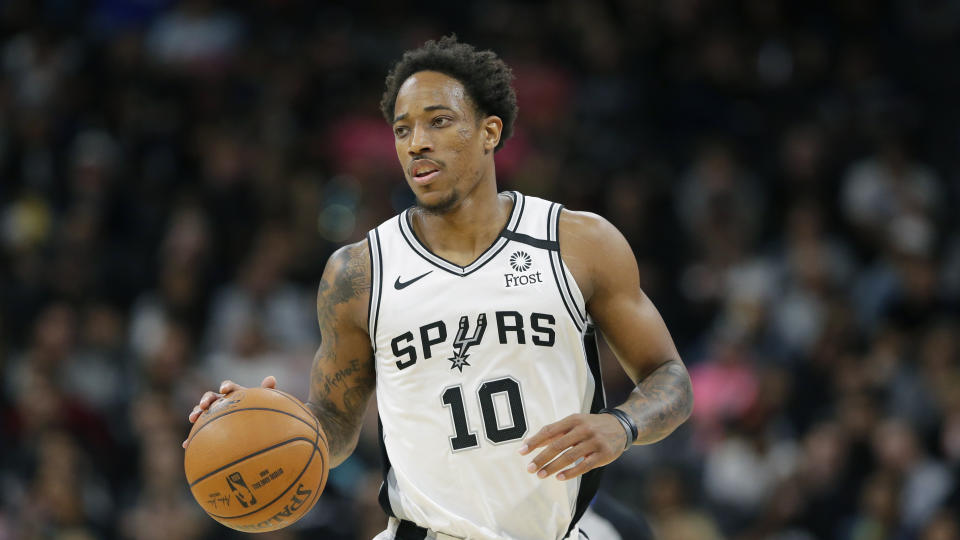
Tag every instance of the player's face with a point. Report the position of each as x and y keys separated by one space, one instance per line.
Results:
x=441 y=142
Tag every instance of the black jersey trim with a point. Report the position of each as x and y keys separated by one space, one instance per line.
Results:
x=590 y=481
x=556 y=265
x=374 y=302
x=574 y=318
x=376 y=285
x=592 y=352
x=553 y=232
x=563 y=273
x=373 y=285
x=548 y=245
x=384 y=496
x=406 y=231
x=376 y=320
x=407 y=530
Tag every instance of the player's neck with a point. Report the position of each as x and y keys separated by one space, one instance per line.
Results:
x=467 y=230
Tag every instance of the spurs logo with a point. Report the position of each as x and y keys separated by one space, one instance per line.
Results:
x=512 y=327
x=462 y=342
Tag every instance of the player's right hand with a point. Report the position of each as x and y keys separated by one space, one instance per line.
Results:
x=226 y=387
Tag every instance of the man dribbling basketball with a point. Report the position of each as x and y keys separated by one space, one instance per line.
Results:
x=472 y=316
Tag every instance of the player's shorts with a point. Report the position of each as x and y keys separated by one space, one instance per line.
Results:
x=405 y=530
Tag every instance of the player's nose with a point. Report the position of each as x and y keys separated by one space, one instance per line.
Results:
x=420 y=141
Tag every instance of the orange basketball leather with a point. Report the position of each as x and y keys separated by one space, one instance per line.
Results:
x=257 y=460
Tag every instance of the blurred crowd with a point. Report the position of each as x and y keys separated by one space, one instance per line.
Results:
x=173 y=176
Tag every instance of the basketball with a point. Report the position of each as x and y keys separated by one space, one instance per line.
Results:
x=256 y=460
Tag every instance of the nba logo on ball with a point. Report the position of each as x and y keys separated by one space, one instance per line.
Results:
x=257 y=462
x=240 y=489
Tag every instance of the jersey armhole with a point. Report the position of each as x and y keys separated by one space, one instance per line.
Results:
x=560 y=274
x=376 y=285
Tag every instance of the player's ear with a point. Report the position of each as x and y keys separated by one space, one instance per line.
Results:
x=492 y=128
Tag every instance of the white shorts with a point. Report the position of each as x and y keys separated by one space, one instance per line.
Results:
x=408 y=531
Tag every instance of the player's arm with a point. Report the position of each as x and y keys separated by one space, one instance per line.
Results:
x=343 y=378
x=606 y=271
x=663 y=396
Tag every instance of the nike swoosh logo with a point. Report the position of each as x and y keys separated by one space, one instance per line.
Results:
x=404 y=284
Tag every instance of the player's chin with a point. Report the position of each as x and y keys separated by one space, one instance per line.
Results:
x=436 y=201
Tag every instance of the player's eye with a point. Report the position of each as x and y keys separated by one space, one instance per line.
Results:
x=401 y=131
x=441 y=121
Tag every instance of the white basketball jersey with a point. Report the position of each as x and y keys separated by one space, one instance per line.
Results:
x=471 y=360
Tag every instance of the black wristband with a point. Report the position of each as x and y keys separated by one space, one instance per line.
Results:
x=627 y=422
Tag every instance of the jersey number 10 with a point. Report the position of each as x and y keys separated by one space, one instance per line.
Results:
x=494 y=431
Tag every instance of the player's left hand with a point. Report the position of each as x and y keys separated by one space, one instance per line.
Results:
x=597 y=438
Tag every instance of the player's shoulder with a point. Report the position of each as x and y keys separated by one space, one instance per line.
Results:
x=347 y=274
x=345 y=286
x=351 y=254
x=594 y=250
x=580 y=230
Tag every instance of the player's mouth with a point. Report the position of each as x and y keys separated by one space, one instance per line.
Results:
x=424 y=171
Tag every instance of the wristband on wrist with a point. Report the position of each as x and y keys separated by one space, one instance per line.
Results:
x=629 y=426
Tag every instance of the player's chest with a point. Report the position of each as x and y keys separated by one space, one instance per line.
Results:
x=495 y=311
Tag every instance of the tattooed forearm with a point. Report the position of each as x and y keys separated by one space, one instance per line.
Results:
x=661 y=401
x=340 y=379
x=339 y=406
x=343 y=376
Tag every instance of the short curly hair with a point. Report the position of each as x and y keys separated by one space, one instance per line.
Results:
x=485 y=77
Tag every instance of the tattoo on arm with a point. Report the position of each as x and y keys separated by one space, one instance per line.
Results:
x=343 y=378
x=346 y=278
x=339 y=402
x=661 y=401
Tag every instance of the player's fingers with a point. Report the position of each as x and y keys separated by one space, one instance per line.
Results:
x=563 y=461
x=205 y=402
x=229 y=386
x=207 y=399
x=534 y=440
x=269 y=382
x=591 y=461
x=545 y=435
x=551 y=451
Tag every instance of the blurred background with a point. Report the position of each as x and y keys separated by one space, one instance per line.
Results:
x=174 y=175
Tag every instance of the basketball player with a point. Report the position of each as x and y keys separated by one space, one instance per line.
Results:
x=472 y=316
